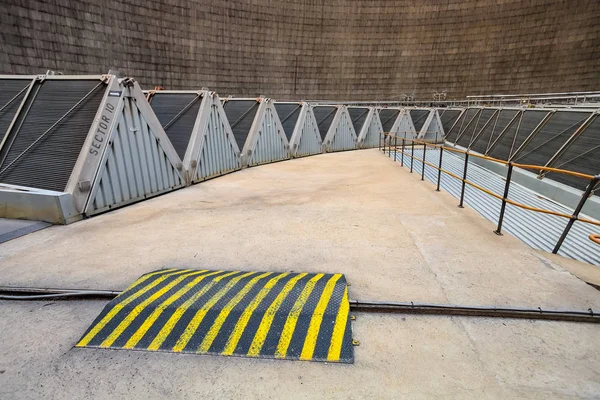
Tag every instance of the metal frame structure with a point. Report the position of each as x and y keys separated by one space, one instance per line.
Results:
x=205 y=134
x=432 y=129
x=265 y=140
x=370 y=127
x=124 y=157
x=305 y=139
x=340 y=135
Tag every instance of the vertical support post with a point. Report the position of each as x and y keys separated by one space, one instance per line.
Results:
x=412 y=154
x=390 y=147
x=440 y=169
x=402 y=154
x=380 y=136
x=395 y=148
x=575 y=215
x=462 y=190
x=498 y=230
x=423 y=169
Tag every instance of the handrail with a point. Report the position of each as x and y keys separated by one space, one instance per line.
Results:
x=505 y=200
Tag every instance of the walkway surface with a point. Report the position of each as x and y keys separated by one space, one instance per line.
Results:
x=356 y=213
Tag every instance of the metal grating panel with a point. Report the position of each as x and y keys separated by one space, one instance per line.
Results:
x=461 y=125
x=310 y=137
x=487 y=117
x=551 y=137
x=270 y=144
x=12 y=92
x=388 y=117
x=470 y=131
x=135 y=166
x=358 y=117
x=583 y=155
x=448 y=117
x=324 y=116
x=288 y=114
x=418 y=118
x=217 y=155
x=177 y=114
x=49 y=163
x=503 y=146
x=240 y=114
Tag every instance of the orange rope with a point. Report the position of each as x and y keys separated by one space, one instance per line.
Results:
x=594 y=237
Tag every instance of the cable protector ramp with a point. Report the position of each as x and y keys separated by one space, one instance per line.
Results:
x=281 y=315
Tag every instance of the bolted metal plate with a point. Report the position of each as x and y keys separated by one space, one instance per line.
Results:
x=294 y=316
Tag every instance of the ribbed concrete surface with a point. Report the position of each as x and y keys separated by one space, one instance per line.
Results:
x=356 y=213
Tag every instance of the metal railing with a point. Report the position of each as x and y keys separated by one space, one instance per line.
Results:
x=387 y=141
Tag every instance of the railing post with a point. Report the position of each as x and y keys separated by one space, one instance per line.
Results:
x=380 y=136
x=423 y=169
x=575 y=215
x=395 y=148
x=390 y=147
x=440 y=169
x=498 y=230
x=412 y=154
x=462 y=191
x=402 y=154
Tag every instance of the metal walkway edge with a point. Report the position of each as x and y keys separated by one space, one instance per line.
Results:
x=295 y=316
x=540 y=231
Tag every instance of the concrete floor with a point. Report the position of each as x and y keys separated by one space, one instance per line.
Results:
x=356 y=213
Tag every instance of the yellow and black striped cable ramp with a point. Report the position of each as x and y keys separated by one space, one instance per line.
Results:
x=294 y=316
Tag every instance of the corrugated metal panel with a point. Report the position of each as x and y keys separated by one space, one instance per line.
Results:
x=12 y=92
x=358 y=115
x=343 y=136
x=388 y=117
x=135 y=166
x=310 y=137
x=177 y=114
x=49 y=163
x=432 y=130
x=324 y=116
x=538 y=230
x=418 y=118
x=582 y=156
x=448 y=118
x=404 y=127
x=288 y=114
x=271 y=144
x=240 y=114
x=551 y=137
x=373 y=135
x=217 y=155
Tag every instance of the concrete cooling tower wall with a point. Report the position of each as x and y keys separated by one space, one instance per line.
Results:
x=313 y=49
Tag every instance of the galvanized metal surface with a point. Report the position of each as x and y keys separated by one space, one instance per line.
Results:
x=403 y=126
x=370 y=133
x=341 y=135
x=538 y=230
x=135 y=165
x=294 y=316
x=432 y=129
x=266 y=141
x=12 y=92
x=306 y=138
x=14 y=228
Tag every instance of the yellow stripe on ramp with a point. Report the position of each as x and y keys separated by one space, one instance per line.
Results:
x=339 y=329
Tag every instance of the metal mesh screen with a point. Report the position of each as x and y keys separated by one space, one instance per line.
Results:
x=178 y=112
x=419 y=117
x=288 y=114
x=324 y=116
x=388 y=117
x=551 y=137
x=448 y=117
x=358 y=117
x=468 y=138
x=240 y=114
x=12 y=92
x=49 y=163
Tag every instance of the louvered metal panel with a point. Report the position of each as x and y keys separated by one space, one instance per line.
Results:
x=388 y=117
x=12 y=93
x=483 y=131
x=372 y=136
x=270 y=143
x=551 y=137
x=448 y=118
x=418 y=117
x=217 y=153
x=240 y=114
x=288 y=114
x=135 y=165
x=469 y=132
x=503 y=145
x=341 y=135
x=493 y=130
x=324 y=116
x=461 y=125
x=358 y=115
x=48 y=164
x=583 y=155
x=307 y=138
x=177 y=113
